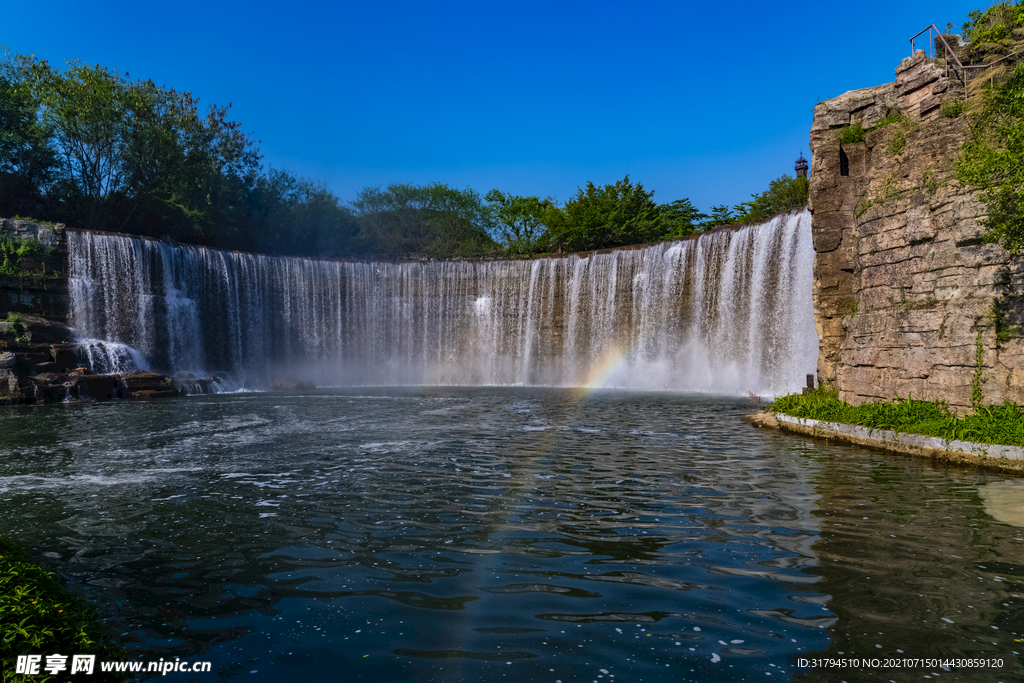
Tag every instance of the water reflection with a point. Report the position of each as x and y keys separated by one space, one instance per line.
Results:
x=445 y=535
x=914 y=565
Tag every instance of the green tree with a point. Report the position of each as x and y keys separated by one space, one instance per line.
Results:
x=28 y=162
x=298 y=216
x=680 y=218
x=84 y=108
x=783 y=194
x=457 y=222
x=720 y=215
x=125 y=155
x=188 y=172
x=610 y=216
x=994 y=25
x=432 y=219
x=520 y=222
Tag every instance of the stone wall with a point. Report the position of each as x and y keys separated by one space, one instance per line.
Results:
x=51 y=235
x=42 y=288
x=904 y=286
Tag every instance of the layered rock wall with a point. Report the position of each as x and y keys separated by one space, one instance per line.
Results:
x=40 y=360
x=40 y=285
x=904 y=286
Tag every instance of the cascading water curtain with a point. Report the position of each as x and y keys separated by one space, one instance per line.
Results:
x=728 y=312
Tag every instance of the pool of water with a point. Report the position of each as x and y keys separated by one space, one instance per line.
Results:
x=508 y=534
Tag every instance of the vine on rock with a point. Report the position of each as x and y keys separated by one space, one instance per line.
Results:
x=977 y=396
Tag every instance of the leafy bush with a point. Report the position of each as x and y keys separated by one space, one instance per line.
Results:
x=38 y=615
x=994 y=24
x=953 y=108
x=855 y=132
x=12 y=251
x=1003 y=424
x=993 y=160
x=610 y=216
x=851 y=133
x=16 y=323
x=783 y=194
x=893 y=117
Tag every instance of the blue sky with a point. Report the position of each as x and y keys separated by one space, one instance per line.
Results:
x=704 y=100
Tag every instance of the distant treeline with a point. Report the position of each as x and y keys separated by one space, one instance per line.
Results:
x=87 y=147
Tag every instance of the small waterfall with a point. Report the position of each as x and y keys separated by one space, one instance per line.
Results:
x=728 y=312
x=106 y=357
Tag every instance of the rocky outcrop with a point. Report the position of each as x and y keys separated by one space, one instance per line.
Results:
x=48 y=234
x=41 y=363
x=904 y=287
x=57 y=385
x=40 y=284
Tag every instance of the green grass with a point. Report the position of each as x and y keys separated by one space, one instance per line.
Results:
x=37 y=221
x=894 y=117
x=855 y=132
x=899 y=141
x=1003 y=424
x=39 y=616
x=954 y=108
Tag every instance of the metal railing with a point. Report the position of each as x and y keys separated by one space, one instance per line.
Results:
x=949 y=52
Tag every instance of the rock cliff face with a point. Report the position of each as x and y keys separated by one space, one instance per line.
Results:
x=904 y=287
x=41 y=288
x=40 y=361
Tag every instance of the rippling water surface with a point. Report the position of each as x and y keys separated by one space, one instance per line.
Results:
x=491 y=534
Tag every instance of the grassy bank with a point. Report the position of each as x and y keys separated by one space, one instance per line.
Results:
x=39 y=616
x=1002 y=424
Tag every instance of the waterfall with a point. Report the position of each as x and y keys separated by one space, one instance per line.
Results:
x=727 y=312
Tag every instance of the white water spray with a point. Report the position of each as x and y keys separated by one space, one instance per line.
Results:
x=726 y=313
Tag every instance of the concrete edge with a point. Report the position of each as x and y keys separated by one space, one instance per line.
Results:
x=963 y=452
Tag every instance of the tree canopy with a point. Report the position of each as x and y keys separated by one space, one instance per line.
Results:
x=88 y=147
x=783 y=194
x=520 y=223
x=680 y=218
x=609 y=216
x=434 y=219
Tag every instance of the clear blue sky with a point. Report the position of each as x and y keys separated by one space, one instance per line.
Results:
x=704 y=100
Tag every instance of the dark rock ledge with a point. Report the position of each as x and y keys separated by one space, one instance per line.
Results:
x=40 y=363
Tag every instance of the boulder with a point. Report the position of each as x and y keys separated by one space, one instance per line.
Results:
x=7 y=360
x=47 y=387
x=8 y=384
x=27 y=360
x=49 y=366
x=149 y=393
x=43 y=331
x=147 y=385
x=97 y=387
x=192 y=386
x=65 y=356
